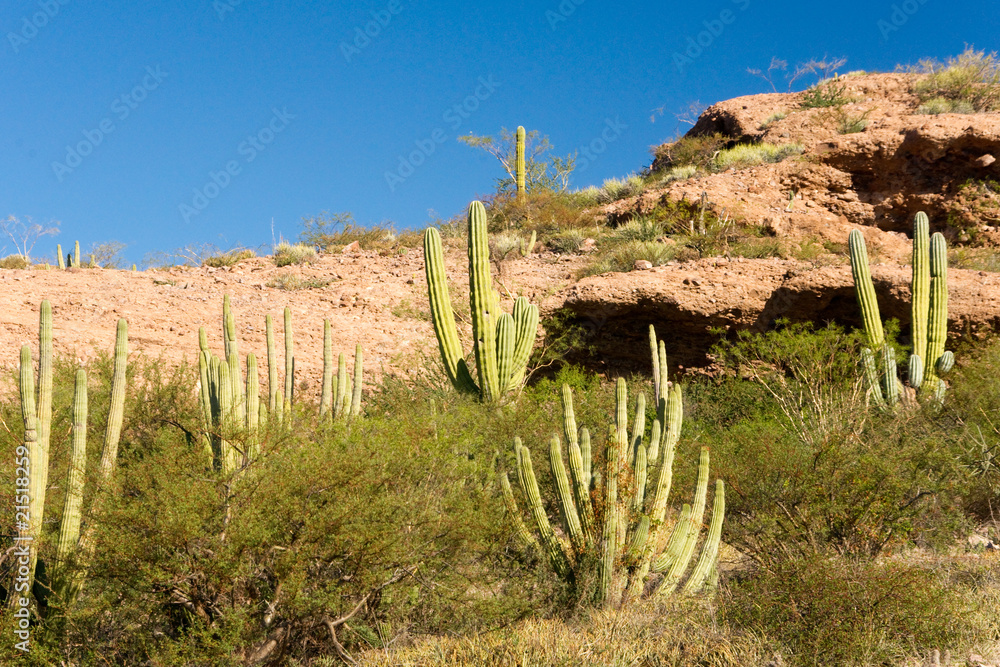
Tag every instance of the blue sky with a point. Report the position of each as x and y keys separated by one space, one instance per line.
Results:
x=162 y=124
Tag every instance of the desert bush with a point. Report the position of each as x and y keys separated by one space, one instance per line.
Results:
x=773 y=118
x=623 y=256
x=614 y=189
x=331 y=232
x=107 y=255
x=830 y=93
x=939 y=105
x=643 y=228
x=286 y=254
x=568 y=242
x=545 y=212
x=14 y=262
x=228 y=258
x=815 y=471
x=694 y=151
x=973 y=77
x=749 y=155
x=830 y=611
x=292 y=282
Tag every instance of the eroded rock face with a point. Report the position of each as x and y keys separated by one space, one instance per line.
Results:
x=900 y=163
x=687 y=301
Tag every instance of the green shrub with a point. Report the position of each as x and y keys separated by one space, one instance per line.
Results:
x=643 y=228
x=285 y=254
x=973 y=78
x=829 y=93
x=291 y=282
x=568 y=242
x=939 y=105
x=696 y=151
x=620 y=188
x=230 y=258
x=831 y=611
x=773 y=118
x=623 y=256
x=750 y=155
x=818 y=471
x=14 y=262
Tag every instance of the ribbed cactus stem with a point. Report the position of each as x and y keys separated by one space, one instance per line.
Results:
x=708 y=563
x=920 y=302
x=109 y=454
x=889 y=382
x=639 y=475
x=945 y=362
x=679 y=566
x=915 y=371
x=232 y=351
x=606 y=584
x=570 y=515
x=29 y=529
x=585 y=454
x=656 y=363
x=523 y=534
x=872 y=379
x=340 y=402
x=525 y=329
x=272 y=367
x=252 y=408
x=44 y=405
x=60 y=260
x=69 y=527
x=289 y=359
x=483 y=303
x=519 y=168
x=358 y=382
x=937 y=331
x=76 y=254
x=676 y=542
x=638 y=426
x=505 y=349
x=655 y=435
x=326 y=395
x=526 y=477
x=865 y=289
x=442 y=315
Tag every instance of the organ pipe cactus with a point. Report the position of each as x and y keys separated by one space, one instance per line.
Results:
x=929 y=317
x=624 y=533
x=335 y=400
x=37 y=417
x=502 y=343
x=519 y=163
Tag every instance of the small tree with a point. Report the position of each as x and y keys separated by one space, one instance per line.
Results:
x=542 y=171
x=26 y=234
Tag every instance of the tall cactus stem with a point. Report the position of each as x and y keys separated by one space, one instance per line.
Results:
x=865 y=289
x=483 y=303
x=69 y=528
x=272 y=367
x=523 y=534
x=252 y=408
x=59 y=257
x=708 y=562
x=519 y=168
x=289 y=359
x=326 y=395
x=109 y=454
x=570 y=515
x=526 y=477
x=920 y=302
x=937 y=330
x=358 y=381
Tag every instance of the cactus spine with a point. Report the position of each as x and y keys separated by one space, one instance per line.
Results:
x=501 y=365
x=519 y=162
x=636 y=486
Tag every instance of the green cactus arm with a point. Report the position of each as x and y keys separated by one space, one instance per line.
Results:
x=109 y=454
x=483 y=304
x=945 y=363
x=639 y=477
x=523 y=534
x=889 y=382
x=252 y=408
x=326 y=394
x=289 y=359
x=678 y=567
x=30 y=531
x=570 y=515
x=519 y=168
x=675 y=543
x=637 y=546
x=228 y=411
x=579 y=471
x=526 y=249
x=203 y=340
x=340 y=395
x=937 y=333
x=653 y=349
x=920 y=303
x=272 y=367
x=44 y=381
x=358 y=381
x=569 y=416
x=872 y=376
x=232 y=352
x=607 y=575
x=655 y=435
x=205 y=394
x=585 y=454
x=865 y=289
x=621 y=424
x=915 y=372
x=638 y=426
x=76 y=254
x=442 y=316
x=69 y=526
x=526 y=477
x=526 y=329
x=59 y=257
x=709 y=559
x=505 y=349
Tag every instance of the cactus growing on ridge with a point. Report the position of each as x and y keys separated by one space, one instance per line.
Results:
x=519 y=163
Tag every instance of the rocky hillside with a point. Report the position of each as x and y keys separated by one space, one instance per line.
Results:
x=893 y=163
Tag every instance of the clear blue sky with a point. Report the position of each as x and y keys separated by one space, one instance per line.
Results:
x=114 y=114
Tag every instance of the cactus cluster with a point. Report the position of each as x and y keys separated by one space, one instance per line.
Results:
x=502 y=342
x=929 y=319
x=624 y=531
x=232 y=407
x=73 y=550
